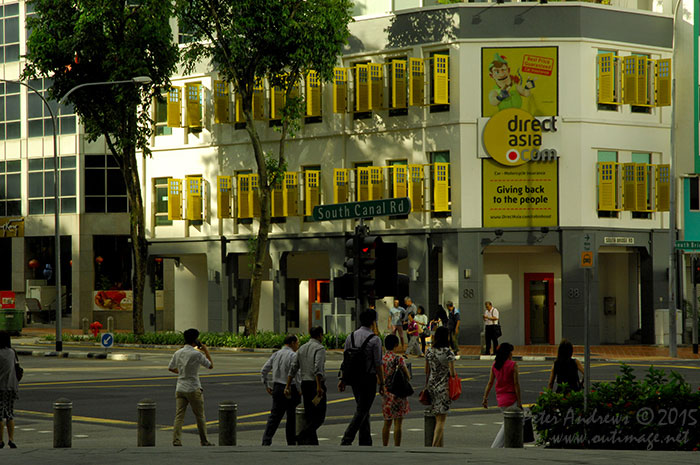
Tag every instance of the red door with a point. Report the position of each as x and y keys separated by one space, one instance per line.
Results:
x=539 y=308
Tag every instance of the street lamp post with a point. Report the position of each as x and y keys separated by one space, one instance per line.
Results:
x=56 y=182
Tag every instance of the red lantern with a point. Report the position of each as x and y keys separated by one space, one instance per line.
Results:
x=99 y=260
x=159 y=260
x=34 y=264
x=70 y=262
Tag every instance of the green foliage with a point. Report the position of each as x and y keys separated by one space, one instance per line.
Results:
x=657 y=412
x=262 y=339
x=275 y=169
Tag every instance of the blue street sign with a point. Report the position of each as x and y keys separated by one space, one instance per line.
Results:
x=107 y=340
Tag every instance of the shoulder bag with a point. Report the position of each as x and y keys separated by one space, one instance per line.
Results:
x=497 y=330
x=19 y=371
x=398 y=384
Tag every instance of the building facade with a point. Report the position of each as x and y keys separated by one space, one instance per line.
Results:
x=532 y=139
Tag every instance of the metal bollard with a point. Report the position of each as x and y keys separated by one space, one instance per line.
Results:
x=62 y=423
x=85 y=324
x=110 y=324
x=513 y=427
x=146 y=436
x=428 y=428
x=300 y=420
x=228 y=412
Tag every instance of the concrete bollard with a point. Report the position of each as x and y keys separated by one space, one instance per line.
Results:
x=513 y=427
x=428 y=428
x=300 y=419
x=85 y=325
x=62 y=423
x=228 y=412
x=146 y=435
x=110 y=324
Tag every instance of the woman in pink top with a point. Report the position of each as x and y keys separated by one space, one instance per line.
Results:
x=505 y=373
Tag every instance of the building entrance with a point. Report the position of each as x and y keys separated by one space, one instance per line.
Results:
x=539 y=308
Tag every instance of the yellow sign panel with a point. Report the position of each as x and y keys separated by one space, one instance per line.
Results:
x=519 y=77
x=520 y=196
x=586 y=259
x=513 y=137
x=11 y=227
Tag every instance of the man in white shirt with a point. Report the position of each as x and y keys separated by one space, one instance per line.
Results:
x=490 y=322
x=396 y=316
x=185 y=363
x=278 y=366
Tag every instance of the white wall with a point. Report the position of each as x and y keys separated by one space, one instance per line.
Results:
x=191 y=292
x=613 y=273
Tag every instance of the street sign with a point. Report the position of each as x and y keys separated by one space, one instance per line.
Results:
x=107 y=340
x=586 y=259
x=586 y=243
x=688 y=245
x=366 y=209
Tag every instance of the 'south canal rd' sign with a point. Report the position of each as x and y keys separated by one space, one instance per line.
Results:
x=367 y=209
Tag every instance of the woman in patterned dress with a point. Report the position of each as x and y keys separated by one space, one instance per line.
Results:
x=394 y=408
x=8 y=389
x=439 y=366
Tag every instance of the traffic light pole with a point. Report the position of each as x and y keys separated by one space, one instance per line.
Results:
x=360 y=298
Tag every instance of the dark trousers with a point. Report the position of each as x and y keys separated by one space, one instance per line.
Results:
x=315 y=414
x=364 y=393
x=280 y=406
x=422 y=342
x=454 y=343
x=490 y=335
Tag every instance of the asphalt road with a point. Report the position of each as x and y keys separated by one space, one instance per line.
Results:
x=107 y=391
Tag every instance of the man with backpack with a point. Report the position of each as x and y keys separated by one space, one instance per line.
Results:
x=362 y=370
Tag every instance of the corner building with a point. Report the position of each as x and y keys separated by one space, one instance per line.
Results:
x=532 y=140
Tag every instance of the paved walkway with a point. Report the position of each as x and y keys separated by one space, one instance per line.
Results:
x=549 y=352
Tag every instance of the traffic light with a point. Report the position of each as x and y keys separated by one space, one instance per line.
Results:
x=344 y=286
x=389 y=281
x=696 y=271
x=367 y=271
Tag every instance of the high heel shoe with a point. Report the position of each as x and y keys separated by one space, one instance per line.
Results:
x=12 y=445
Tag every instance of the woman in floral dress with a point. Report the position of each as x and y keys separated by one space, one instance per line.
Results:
x=394 y=408
x=439 y=366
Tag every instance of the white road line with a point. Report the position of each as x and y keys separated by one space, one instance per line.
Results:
x=458 y=426
x=81 y=436
x=415 y=429
x=479 y=424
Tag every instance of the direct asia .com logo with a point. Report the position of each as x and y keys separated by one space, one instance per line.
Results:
x=513 y=137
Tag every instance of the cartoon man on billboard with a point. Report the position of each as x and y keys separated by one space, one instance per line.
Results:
x=509 y=89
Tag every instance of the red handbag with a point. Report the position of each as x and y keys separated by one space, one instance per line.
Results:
x=424 y=397
x=455 y=385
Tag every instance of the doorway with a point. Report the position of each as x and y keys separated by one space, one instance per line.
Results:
x=539 y=308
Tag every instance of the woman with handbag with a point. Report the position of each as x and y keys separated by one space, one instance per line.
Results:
x=394 y=407
x=439 y=368
x=505 y=373
x=9 y=385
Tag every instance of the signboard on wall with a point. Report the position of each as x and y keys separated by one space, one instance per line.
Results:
x=11 y=227
x=519 y=77
x=520 y=196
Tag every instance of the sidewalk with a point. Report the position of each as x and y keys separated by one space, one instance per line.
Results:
x=528 y=353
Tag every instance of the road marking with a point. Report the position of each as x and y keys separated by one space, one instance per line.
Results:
x=415 y=429
x=478 y=424
x=44 y=432
x=81 y=436
x=156 y=378
x=103 y=421
x=458 y=426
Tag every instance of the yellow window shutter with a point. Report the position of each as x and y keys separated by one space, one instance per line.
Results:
x=244 y=197
x=194 y=105
x=175 y=107
x=255 y=194
x=313 y=94
x=276 y=103
x=278 y=199
x=663 y=187
x=415 y=187
x=340 y=90
x=663 y=83
x=291 y=189
x=398 y=84
x=441 y=193
x=258 y=100
x=312 y=191
x=629 y=187
x=399 y=181
x=607 y=190
x=442 y=81
x=174 y=199
x=362 y=182
x=641 y=186
x=376 y=93
x=642 y=81
x=194 y=186
x=221 y=102
x=606 y=78
x=240 y=118
x=341 y=187
x=416 y=82
x=223 y=197
x=361 y=88
x=376 y=181
x=629 y=77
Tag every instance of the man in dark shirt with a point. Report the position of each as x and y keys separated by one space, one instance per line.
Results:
x=364 y=389
x=453 y=322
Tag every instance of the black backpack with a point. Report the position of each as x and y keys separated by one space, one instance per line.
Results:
x=354 y=366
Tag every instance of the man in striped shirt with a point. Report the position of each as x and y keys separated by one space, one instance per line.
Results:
x=310 y=363
x=278 y=366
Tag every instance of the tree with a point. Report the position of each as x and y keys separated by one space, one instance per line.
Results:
x=75 y=43
x=280 y=40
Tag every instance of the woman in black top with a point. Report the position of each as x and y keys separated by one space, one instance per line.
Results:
x=565 y=368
